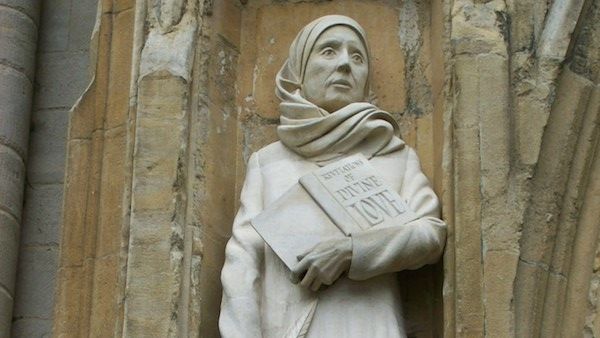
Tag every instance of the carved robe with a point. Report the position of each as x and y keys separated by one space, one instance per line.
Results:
x=259 y=300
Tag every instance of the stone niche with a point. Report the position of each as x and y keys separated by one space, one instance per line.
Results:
x=241 y=47
x=500 y=100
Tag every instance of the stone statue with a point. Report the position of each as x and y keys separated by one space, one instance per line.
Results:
x=344 y=287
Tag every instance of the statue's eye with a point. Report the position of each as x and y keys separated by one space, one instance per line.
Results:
x=328 y=51
x=357 y=58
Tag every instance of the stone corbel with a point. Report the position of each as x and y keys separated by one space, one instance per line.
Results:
x=170 y=43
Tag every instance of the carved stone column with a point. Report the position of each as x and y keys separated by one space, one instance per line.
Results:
x=521 y=169
x=18 y=37
x=94 y=234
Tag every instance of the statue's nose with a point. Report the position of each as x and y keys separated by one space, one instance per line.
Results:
x=344 y=61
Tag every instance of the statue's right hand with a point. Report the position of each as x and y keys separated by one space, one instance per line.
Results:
x=323 y=264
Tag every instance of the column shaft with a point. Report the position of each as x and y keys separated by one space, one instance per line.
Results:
x=18 y=37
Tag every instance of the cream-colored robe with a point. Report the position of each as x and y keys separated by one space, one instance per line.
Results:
x=259 y=299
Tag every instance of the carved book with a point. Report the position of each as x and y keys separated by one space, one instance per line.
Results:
x=337 y=200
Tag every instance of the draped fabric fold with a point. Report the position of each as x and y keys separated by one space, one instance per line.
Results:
x=317 y=134
x=358 y=127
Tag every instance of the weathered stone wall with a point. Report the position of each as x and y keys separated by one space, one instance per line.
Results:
x=61 y=76
x=213 y=169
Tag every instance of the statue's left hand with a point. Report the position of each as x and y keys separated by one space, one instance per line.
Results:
x=323 y=264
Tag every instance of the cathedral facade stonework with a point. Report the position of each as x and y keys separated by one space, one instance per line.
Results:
x=126 y=127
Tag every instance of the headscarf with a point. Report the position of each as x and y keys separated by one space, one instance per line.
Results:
x=315 y=133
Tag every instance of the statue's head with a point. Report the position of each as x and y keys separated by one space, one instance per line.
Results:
x=326 y=104
x=328 y=63
x=337 y=69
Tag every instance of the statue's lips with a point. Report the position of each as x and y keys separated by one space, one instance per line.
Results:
x=341 y=84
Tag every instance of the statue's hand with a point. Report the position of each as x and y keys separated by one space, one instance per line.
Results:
x=323 y=264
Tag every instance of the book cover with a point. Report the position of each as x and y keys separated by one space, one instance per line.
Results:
x=294 y=224
x=337 y=200
x=355 y=197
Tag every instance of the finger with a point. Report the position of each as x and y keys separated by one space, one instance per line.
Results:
x=316 y=284
x=305 y=253
x=330 y=278
x=296 y=277
x=299 y=270
x=337 y=275
x=310 y=276
x=329 y=272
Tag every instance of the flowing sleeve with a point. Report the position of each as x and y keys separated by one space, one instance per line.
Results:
x=409 y=246
x=244 y=253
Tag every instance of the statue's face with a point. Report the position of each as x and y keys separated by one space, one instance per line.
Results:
x=337 y=69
